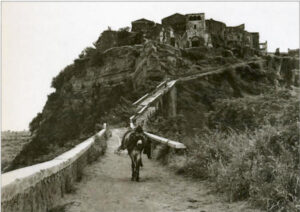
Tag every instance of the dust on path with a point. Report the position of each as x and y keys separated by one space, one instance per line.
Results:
x=106 y=187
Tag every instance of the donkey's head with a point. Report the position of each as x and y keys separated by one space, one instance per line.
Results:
x=140 y=144
x=139 y=134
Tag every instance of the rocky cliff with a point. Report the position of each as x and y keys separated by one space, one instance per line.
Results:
x=98 y=87
x=102 y=83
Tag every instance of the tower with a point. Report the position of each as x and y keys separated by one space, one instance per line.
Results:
x=195 y=29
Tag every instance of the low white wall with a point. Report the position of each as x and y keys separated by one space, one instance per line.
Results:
x=170 y=143
x=39 y=187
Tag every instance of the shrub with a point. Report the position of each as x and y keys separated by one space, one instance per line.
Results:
x=35 y=123
x=123 y=37
x=249 y=150
x=195 y=53
x=63 y=76
x=101 y=143
x=163 y=153
x=96 y=59
x=250 y=165
x=273 y=107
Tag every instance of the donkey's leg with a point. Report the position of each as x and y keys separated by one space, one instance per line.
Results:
x=132 y=172
x=139 y=162
x=136 y=165
x=132 y=168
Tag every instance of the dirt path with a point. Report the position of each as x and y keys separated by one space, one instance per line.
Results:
x=106 y=187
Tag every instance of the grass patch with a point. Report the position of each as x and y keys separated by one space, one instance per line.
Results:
x=11 y=144
x=247 y=147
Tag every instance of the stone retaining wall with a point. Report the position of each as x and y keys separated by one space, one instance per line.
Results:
x=38 y=188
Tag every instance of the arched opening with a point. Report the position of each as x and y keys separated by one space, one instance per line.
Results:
x=197 y=41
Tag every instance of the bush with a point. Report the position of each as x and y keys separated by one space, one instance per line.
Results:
x=261 y=166
x=195 y=53
x=163 y=153
x=97 y=59
x=35 y=123
x=123 y=37
x=250 y=148
x=63 y=76
x=273 y=107
x=101 y=142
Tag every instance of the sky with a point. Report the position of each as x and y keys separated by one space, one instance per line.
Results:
x=40 y=38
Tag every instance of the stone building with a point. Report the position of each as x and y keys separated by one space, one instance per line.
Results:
x=192 y=30
x=234 y=36
x=188 y=30
x=255 y=40
x=177 y=22
x=263 y=47
x=196 y=31
x=247 y=40
x=142 y=25
x=167 y=35
x=216 y=29
x=149 y=29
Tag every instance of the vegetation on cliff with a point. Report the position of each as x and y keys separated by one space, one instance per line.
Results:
x=98 y=87
x=241 y=136
x=240 y=125
x=84 y=98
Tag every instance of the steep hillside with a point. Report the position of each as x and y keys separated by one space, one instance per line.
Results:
x=100 y=86
x=239 y=124
x=242 y=131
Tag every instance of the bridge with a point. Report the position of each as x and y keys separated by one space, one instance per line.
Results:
x=105 y=185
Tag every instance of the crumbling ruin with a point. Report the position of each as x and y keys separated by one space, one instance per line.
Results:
x=193 y=30
x=186 y=31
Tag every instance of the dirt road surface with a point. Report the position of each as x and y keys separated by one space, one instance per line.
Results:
x=106 y=187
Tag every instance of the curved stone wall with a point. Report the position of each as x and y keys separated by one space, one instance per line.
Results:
x=39 y=187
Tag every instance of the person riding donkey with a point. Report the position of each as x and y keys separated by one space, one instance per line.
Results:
x=132 y=136
x=136 y=142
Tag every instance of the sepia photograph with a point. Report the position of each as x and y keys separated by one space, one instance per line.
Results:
x=151 y=106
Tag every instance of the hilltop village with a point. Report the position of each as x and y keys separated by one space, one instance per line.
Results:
x=185 y=31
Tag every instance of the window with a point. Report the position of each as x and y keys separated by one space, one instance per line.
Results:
x=195 y=26
x=195 y=18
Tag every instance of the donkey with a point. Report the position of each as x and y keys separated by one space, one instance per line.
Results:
x=136 y=142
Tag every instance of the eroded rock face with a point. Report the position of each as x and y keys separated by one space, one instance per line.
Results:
x=101 y=85
x=158 y=61
x=97 y=88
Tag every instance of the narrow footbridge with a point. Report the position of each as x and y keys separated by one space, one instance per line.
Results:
x=150 y=103
x=41 y=187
